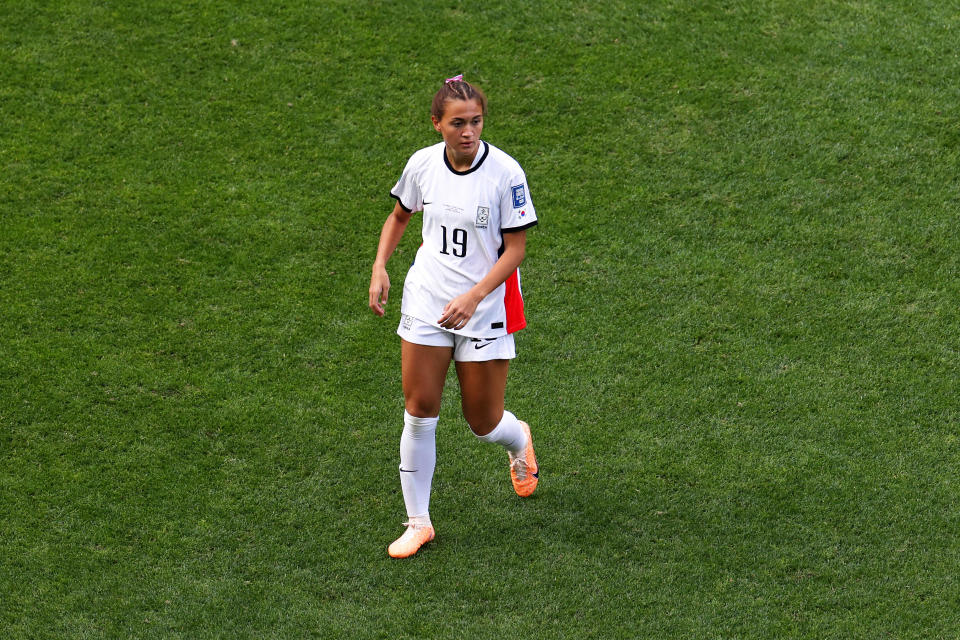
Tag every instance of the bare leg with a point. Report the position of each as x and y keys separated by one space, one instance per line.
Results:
x=482 y=389
x=424 y=371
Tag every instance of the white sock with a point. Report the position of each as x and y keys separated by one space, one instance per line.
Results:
x=418 y=457
x=509 y=434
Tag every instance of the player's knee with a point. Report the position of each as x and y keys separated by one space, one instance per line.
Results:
x=422 y=407
x=481 y=422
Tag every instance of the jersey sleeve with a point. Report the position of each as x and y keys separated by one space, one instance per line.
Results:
x=516 y=207
x=407 y=190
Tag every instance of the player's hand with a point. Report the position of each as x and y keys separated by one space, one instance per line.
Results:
x=458 y=311
x=379 y=290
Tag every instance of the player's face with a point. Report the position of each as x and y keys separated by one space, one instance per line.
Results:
x=460 y=127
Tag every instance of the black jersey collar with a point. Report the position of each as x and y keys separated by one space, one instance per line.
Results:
x=446 y=160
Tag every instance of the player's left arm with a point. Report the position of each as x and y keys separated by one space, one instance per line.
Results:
x=459 y=310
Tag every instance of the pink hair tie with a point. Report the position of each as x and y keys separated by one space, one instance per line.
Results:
x=458 y=78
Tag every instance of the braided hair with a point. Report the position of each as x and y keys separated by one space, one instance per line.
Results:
x=456 y=88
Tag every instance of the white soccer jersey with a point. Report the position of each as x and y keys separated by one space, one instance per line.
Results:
x=465 y=214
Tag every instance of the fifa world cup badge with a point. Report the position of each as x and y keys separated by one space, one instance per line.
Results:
x=483 y=217
x=519 y=196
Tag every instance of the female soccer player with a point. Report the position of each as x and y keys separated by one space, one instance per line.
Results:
x=461 y=297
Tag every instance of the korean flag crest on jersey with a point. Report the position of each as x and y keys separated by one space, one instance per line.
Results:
x=483 y=217
x=519 y=196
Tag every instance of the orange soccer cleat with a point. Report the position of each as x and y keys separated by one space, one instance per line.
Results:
x=412 y=539
x=524 y=471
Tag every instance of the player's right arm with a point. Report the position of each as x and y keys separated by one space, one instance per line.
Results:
x=390 y=237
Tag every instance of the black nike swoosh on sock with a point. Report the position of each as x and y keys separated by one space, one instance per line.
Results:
x=408 y=470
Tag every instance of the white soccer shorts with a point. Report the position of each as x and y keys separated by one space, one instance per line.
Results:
x=465 y=349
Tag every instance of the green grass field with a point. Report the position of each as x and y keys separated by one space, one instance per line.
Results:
x=743 y=299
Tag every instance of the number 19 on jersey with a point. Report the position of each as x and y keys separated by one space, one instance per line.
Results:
x=458 y=239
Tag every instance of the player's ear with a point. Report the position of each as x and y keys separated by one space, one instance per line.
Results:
x=436 y=123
